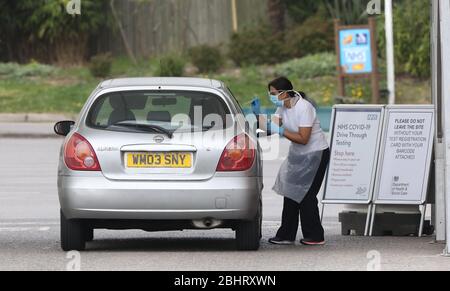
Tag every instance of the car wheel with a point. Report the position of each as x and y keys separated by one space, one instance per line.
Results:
x=73 y=234
x=249 y=233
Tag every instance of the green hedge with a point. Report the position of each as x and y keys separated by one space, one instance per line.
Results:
x=257 y=46
x=100 y=65
x=318 y=65
x=171 y=65
x=315 y=35
x=206 y=58
x=13 y=70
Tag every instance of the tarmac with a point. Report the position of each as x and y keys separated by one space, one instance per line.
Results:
x=29 y=232
x=30 y=125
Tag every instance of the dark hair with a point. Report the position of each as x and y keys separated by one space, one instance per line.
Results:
x=283 y=84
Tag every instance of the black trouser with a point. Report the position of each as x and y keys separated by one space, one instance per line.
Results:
x=308 y=208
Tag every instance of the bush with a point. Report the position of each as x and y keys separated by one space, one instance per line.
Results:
x=171 y=66
x=43 y=30
x=100 y=65
x=314 y=36
x=318 y=65
x=206 y=58
x=411 y=38
x=257 y=46
x=13 y=70
x=350 y=12
x=299 y=11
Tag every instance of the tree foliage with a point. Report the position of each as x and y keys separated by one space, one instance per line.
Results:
x=299 y=11
x=50 y=20
x=276 y=10
x=348 y=11
x=47 y=25
x=411 y=29
x=256 y=46
x=412 y=47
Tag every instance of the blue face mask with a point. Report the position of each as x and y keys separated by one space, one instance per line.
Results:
x=275 y=101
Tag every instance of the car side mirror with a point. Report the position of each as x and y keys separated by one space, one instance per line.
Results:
x=63 y=127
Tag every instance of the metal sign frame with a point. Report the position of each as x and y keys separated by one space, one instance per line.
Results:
x=368 y=202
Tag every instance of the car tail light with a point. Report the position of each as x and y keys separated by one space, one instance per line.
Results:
x=79 y=155
x=238 y=155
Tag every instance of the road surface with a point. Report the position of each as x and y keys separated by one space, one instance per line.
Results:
x=29 y=232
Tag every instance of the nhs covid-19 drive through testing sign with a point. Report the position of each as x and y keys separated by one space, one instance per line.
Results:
x=355 y=47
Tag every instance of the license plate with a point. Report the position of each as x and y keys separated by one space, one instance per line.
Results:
x=159 y=160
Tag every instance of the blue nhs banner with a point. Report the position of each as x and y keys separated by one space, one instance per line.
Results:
x=355 y=47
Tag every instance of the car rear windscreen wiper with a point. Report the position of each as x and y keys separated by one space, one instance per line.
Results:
x=209 y=127
x=145 y=127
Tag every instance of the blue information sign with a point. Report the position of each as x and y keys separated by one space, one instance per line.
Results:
x=355 y=49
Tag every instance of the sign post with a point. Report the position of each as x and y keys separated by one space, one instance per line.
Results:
x=390 y=50
x=355 y=138
x=444 y=11
x=356 y=49
x=438 y=211
x=405 y=159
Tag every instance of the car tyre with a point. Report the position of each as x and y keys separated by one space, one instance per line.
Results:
x=73 y=234
x=249 y=233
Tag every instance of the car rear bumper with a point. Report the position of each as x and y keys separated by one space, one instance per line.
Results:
x=223 y=198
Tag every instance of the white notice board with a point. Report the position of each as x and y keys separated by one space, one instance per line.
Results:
x=355 y=138
x=405 y=158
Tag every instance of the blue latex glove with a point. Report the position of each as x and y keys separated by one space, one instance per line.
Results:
x=273 y=128
x=256 y=106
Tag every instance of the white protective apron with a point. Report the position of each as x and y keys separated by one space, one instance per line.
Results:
x=297 y=173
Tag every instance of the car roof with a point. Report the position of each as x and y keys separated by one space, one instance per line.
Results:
x=159 y=81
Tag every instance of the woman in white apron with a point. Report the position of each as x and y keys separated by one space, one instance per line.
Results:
x=301 y=175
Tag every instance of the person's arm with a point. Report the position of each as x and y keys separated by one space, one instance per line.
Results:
x=301 y=137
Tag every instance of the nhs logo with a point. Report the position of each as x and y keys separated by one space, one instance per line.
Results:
x=355 y=55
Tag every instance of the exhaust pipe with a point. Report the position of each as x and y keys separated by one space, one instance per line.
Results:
x=207 y=223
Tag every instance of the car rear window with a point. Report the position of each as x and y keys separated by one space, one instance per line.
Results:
x=176 y=110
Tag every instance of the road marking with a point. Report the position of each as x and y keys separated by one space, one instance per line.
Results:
x=24 y=229
x=14 y=229
x=27 y=223
x=12 y=192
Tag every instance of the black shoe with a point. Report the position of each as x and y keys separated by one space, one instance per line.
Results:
x=280 y=241
x=311 y=242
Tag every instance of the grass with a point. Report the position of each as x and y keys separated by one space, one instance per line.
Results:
x=64 y=90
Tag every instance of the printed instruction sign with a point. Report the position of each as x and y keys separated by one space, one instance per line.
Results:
x=356 y=134
x=405 y=160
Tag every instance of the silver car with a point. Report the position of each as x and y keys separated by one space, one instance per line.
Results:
x=159 y=154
